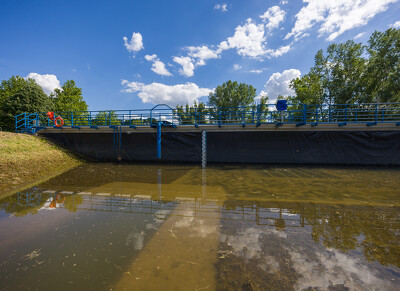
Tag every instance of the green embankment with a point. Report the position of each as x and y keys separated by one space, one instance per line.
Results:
x=26 y=160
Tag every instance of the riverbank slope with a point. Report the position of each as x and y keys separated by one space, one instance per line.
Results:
x=26 y=160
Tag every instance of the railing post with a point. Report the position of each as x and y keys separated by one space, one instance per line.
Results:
x=304 y=113
x=376 y=113
x=72 y=119
x=25 y=119
x=195 y=117
x=159 y=140
x=90 y=118
x=383 y=114
x=330 y=114
x=356 y=115
x=345 y=113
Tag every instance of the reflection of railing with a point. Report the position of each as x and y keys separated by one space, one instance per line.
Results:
x=299 y=114
x=143 y=204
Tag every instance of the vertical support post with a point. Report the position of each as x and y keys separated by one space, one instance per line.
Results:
x=376 y=113
x=304 y=113
x=345 y=113
x=72 y=119
x=25 y=119
x=159 y=140
x=203 y=149
x=330 y=114
x=282 y=116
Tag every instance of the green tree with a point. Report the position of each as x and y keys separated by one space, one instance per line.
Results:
x=106 y=118
x=188 y=114
x=232 y=94
x=382 y=74
x=69 y=98
x=25 y=96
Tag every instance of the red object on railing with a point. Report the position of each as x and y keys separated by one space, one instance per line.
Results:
x=58 y=118
x=50 y=115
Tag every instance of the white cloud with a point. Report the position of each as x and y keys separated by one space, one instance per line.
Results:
x=396 y=24
x=256 y=71
x=221 y=7
x=48 y=82
x=158 y=66
x=150 y=57
x=201 y=54
x=157 y=93
x=135 y=44
x=280 y=51
x=236 y=67
x=335 y=16
x=283 y=2
x=273 y=17
x=187 y=66
x=359 y=35
x=278 y=83
x=248 y=40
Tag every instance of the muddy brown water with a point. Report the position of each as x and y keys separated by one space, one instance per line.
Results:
x=177 y=227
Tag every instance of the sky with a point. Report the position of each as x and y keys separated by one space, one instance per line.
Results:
x=135 y=54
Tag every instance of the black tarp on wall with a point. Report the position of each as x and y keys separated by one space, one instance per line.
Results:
x=278 y=147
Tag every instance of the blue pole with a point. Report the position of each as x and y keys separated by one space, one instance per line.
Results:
x=159 y=140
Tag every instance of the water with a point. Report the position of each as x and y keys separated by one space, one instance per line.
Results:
x=149 y=227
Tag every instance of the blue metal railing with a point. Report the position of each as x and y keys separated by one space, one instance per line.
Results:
x=299 y=114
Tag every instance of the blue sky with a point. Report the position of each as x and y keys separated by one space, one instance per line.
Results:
x=133 y=54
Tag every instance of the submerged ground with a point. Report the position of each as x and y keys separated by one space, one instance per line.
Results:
x=149 y=227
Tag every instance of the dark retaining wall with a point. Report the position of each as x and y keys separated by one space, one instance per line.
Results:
x=285 y=147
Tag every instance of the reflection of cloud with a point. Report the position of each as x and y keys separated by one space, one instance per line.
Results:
x=334 y=267
x=198 y=227
x=248 y=242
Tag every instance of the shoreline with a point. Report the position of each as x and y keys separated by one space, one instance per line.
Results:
x=26 y=160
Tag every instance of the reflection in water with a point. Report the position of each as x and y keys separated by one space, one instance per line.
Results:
x=224 y=228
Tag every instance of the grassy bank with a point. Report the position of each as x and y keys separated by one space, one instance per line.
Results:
x=26 y=160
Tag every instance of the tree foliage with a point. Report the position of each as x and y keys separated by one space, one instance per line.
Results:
x=352 y=73
x=69 y=98
x=232 y=94
x=21 y=96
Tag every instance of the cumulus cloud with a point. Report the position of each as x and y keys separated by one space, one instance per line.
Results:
x=278 y=83
x=201 y=54
x=187 y=66
x=157 y=93
x=248 y=40
x=48 y=82
x=335 y=16
x=273 y=17
x=135 y=44
x=280 y=51
x=222 y=7
x=396 y=24
x=158 y=66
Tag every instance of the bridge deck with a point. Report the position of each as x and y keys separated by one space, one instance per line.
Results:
x=216 y=128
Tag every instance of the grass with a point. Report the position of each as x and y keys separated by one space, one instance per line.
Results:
x=26 y=160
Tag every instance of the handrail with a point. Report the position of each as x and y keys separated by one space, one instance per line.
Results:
x=299 y=114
